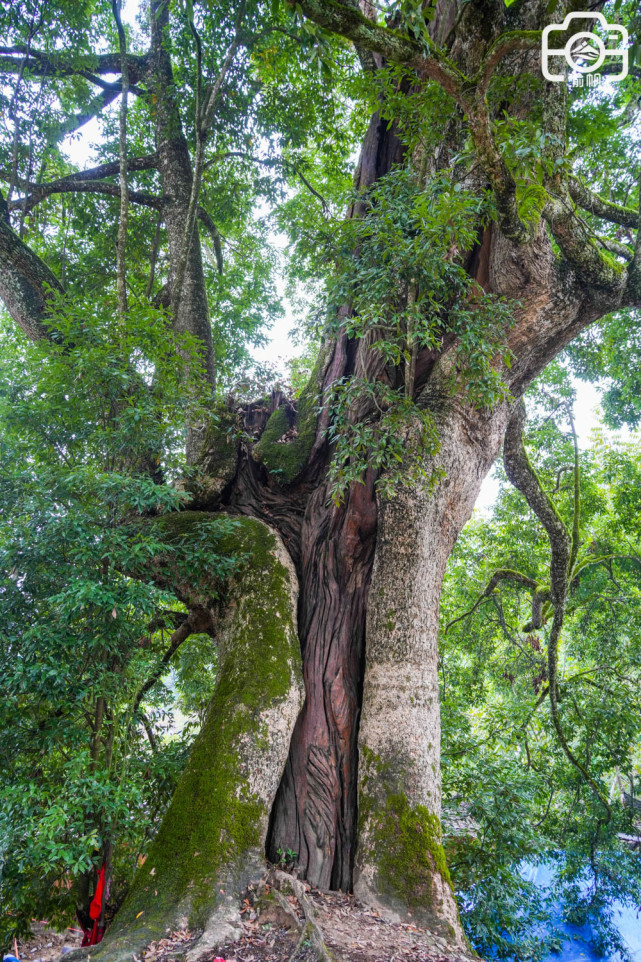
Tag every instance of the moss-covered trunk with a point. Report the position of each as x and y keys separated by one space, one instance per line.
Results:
x=369 y=599
x=212 y=840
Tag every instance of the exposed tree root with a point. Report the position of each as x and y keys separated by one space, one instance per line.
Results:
x=309 y=930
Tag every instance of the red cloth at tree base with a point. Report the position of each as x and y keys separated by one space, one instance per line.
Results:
x=93 y=936
x=95 y=909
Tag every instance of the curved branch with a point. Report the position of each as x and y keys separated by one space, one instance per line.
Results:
x=502 y=574
x=37 y=192
x=208 y=222
x=198 y=621
x=605 y=209
x=619 y=250
x=564 y=547
x=507 y=43
x=61 y=63
x=424 y=56
x=583 y=249
x=523 y=476
x=576 y=507
x=85 y=187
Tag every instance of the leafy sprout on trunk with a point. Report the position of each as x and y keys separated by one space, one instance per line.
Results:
x=400 y=270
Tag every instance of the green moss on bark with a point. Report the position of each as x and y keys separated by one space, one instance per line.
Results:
x=218 y=457
x=286 y=459
x=410 y=850
x=211 y=840
x=402 y=842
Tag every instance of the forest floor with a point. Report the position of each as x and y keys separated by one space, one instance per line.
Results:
x=277 y=931
x=46 y=944
x=349 y=930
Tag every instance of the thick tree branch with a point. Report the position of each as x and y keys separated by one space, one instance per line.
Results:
x=76 y=121
x=424 y=56
x=205 y=218
x=502 y=574
x=619 y=250
x=600 y=207
x=525 y=479
x=564 y=548
x=507 y=43
x=37 y=192
x=634 y=272
x=84 y=187
x=198 y=621
x=584 y=251
x=26 y=284
x=61 y=63
x=205 y=106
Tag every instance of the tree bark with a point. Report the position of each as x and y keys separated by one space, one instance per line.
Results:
x=370 y=576
x=176 y=175
x=315 y=809
x=400 y=865
x=212 y=839
x=26 y=284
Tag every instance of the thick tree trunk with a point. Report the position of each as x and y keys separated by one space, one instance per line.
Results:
x=400 y=865
x=212 y=839
x=174 y=166
x=315 y=810
x=369 y=600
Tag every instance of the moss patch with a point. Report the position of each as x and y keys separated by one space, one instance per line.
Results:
x=216 y=465
x=410 y=851
x=286 y=459
x=403 y=842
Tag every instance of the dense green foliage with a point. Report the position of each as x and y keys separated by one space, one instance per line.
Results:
x=83 y=621
x=517 y=797
x=403 y=243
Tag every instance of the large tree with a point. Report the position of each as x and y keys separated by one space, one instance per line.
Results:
x=476 y=247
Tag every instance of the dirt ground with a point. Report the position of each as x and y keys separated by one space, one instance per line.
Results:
x=45 y=945
x=351 y=932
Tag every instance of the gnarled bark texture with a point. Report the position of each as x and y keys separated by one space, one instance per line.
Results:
x=370 y=575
